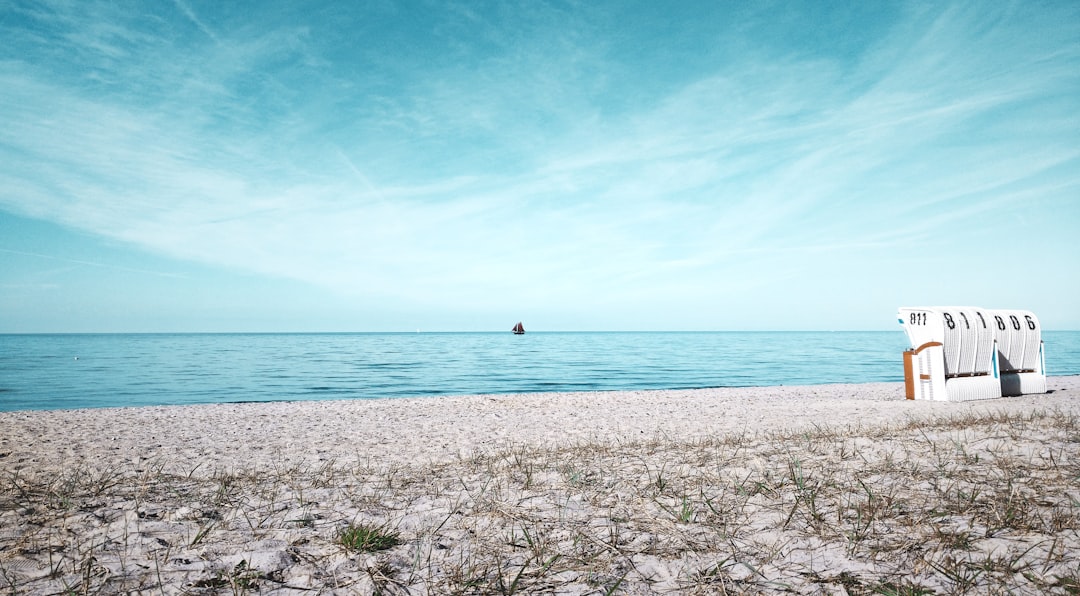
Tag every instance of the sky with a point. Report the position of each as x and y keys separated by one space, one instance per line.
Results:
x=182 y=166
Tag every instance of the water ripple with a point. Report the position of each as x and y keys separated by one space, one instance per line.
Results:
x=69 y=371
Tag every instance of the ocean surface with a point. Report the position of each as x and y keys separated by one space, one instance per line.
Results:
x=87 y=371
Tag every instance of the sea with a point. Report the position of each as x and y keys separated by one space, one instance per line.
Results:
x=45 y=372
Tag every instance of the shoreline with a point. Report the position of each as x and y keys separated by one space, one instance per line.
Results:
x=641 y=491
x=448 y=427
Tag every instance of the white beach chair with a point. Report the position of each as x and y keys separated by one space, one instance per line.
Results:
x=953 y=355
x=1020 y=351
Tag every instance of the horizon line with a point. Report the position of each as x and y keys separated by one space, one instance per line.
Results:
x=450 y=332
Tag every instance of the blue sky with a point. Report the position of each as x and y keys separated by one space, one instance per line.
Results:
x=392 y=166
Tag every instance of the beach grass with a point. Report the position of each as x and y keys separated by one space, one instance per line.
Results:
x=984 y=502
x=366 y=538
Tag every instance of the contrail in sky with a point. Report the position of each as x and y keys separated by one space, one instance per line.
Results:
x=184 y=8
x=91 y=263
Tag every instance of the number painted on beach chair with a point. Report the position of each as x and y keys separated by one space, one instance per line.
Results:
x=1019 y=343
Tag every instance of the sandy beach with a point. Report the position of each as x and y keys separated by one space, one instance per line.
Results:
x=822 y=489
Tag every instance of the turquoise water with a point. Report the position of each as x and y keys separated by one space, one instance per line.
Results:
x=86 y=371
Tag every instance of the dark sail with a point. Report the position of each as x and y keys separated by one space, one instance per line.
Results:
x=518 y=329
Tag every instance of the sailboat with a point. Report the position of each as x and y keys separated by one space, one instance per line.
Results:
x=518 y=329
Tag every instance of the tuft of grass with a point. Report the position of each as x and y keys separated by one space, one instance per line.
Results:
x=366 y=538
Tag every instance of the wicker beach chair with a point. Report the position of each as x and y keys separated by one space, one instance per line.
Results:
x=953 y=355
x=1021 y=358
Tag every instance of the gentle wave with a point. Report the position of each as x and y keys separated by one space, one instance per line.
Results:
x=81 y=371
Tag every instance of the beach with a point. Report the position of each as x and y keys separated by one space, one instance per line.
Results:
x=824 y=488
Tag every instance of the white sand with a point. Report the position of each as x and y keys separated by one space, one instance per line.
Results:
x=441 y=428
x=148 y=519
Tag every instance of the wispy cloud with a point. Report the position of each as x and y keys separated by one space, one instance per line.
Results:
x=464 y=168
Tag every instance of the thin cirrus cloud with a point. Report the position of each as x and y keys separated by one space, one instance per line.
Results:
x=455 y=161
